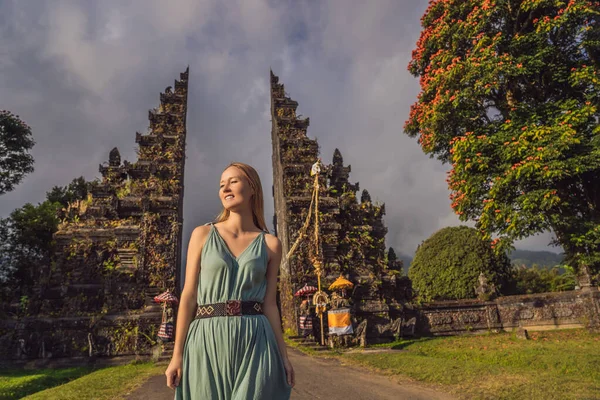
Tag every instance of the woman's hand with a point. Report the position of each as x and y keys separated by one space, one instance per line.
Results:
x=173 y=372
x=289 y=371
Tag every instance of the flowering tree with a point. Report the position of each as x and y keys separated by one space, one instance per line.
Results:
x=15 y=142
x=510 y=96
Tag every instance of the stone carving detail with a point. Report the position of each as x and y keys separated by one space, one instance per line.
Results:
x=563 y=312
x=526 y=314
x=390 y=329
x=533 y=312
x=440 y=319
x=492 y=314
x=361 y=334
x=469 y=318
x=408 y=327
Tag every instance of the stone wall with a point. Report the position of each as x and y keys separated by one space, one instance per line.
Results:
x=543 y=311
x=79 y=337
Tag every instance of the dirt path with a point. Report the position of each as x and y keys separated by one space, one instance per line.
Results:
x=318 y=378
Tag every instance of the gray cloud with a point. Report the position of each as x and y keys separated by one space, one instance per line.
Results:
x=83 y=75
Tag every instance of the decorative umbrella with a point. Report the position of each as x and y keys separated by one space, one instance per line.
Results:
x=306 y=290
x=165 y=331
x=341 y=283
x=166 y=297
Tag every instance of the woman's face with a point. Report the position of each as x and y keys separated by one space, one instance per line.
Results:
x=234 y=189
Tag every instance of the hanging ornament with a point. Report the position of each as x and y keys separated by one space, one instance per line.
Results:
x=316 y=168
x=320 y=299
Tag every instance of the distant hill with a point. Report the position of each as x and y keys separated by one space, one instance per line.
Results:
x=541 y=258
x=518 y=257
x=406 y=260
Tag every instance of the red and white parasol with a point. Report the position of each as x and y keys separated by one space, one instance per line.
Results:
x=306 y=290
x=166 y=297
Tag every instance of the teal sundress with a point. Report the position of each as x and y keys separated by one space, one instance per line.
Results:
x=232 y=358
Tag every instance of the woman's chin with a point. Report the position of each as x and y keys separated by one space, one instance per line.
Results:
x=231 y=207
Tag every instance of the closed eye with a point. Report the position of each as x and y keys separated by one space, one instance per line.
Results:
x=221 y=187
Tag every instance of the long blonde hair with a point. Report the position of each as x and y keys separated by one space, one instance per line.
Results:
x=256 y=201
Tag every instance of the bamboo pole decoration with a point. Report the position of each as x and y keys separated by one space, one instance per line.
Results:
x=320 y=298
x=303 y=229
x=317 y=262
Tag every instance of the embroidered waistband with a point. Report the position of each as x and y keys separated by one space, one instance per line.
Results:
x=230 y=308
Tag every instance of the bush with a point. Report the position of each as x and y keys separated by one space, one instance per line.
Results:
x=447 y=265
x=541 y=280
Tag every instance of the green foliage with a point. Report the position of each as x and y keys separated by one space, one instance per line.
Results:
x=447 y=265
x=540 y=280
x=26 y=246
x=78 y=189
x=15 y=142
x=393 y=263
x=124 y=190
x=511 y=98
x=26 y=239
x=517 y=257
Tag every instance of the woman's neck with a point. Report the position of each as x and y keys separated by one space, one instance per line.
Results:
x=240 y=222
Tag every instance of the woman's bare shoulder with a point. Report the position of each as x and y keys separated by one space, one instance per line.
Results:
x=199 y=235
x=273 y=243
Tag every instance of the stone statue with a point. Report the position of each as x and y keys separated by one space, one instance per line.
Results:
x=485 y=290
x=361 y=334
x=584 y=277
x=337 y=301
x=408 y=327
x=390 y=329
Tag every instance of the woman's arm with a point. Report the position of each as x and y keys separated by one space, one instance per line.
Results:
x=270 y=303
x=187 y=303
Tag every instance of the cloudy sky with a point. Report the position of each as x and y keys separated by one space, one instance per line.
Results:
x=83 y=75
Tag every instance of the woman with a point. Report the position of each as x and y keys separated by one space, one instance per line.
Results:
x=228 y=342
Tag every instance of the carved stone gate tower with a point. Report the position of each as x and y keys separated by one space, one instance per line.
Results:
x=115 y=251
x=352 y=231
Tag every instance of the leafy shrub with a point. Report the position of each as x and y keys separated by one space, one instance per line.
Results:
x=447 y=265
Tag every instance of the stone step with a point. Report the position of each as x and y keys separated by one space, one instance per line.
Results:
x=309 y=343
x=164 y=359
x=153 y=307
x=304 y=341
x=316 y=347
x=166 y=352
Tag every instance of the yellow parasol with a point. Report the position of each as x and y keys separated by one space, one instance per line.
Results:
x=341 y=283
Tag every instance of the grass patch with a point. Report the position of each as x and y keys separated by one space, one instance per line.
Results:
x=75 y=383
x=18 y=383
x=562 y=364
